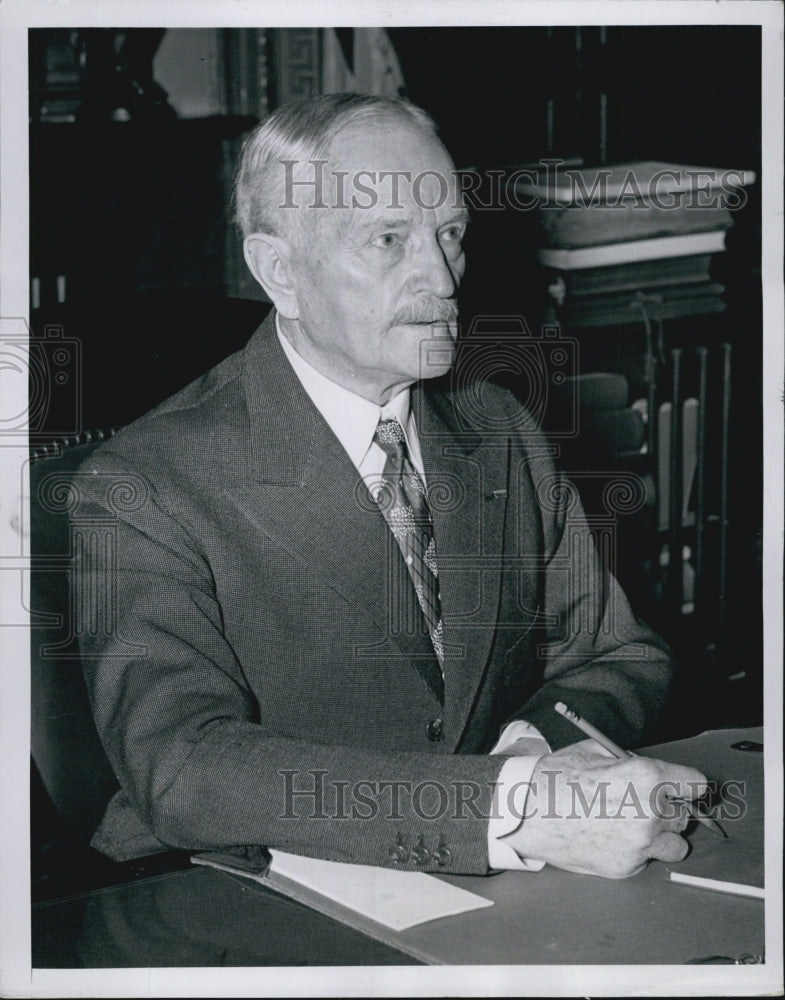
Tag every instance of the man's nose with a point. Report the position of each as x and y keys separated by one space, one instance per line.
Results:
x=433 y=272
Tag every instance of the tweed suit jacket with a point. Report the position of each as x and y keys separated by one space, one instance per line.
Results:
x=257 y=664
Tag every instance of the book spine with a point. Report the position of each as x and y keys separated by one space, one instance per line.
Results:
x=645 y=274
x=580 y=226
x=633 y=251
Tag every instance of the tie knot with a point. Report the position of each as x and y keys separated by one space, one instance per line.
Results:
x=390 y=437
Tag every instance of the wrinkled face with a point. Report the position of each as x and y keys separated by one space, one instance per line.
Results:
x=377 y=270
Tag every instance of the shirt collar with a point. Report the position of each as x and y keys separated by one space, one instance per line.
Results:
x=350 y=417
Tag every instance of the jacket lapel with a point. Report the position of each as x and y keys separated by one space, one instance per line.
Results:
x=468 y=485
x=302 y=490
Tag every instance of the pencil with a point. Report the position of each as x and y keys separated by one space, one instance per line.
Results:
x=619 y=753
x=591 y=730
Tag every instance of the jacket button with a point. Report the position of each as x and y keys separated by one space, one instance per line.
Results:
x=399 y=853
x=442 y=855
x=435 y=730
x=420 y=854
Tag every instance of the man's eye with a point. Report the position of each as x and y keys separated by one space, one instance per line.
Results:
x=453 y=234
x=386 y=240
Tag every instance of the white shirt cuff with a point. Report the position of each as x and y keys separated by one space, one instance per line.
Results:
x=521 y=730
x=510 y=793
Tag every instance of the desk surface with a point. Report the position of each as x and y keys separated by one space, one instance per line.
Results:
x=201 y=917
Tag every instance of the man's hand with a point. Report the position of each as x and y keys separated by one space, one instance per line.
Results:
x=588 y=812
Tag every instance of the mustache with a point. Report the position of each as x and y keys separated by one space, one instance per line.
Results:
x=427 y=311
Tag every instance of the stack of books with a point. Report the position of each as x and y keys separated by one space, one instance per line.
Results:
x=640 y=237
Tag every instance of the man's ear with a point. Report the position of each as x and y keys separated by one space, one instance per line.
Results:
x=268 y=259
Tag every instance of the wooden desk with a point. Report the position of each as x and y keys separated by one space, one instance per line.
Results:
x=201 y=917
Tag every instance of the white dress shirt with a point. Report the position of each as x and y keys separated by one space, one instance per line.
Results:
x=353 y=420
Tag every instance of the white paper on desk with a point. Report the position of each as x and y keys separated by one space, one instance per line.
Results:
x=398 y=900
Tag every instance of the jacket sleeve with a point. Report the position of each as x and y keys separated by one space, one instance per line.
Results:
x=597 y=657
x=181 y=727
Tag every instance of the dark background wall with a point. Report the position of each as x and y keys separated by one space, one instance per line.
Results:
x=690 y=94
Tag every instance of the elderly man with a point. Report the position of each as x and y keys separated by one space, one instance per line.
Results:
x=349 y=591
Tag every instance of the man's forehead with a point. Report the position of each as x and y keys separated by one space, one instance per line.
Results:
x=400 y=174
x=371 y=175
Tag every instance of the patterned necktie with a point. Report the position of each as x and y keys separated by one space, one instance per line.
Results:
x=405 y=508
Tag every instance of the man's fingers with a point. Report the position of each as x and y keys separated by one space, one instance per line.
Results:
x=672 y=810
x=682 y=821
x=669 y=847
x=683 y=782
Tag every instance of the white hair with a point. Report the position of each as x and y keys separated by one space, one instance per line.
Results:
x=302 y=131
